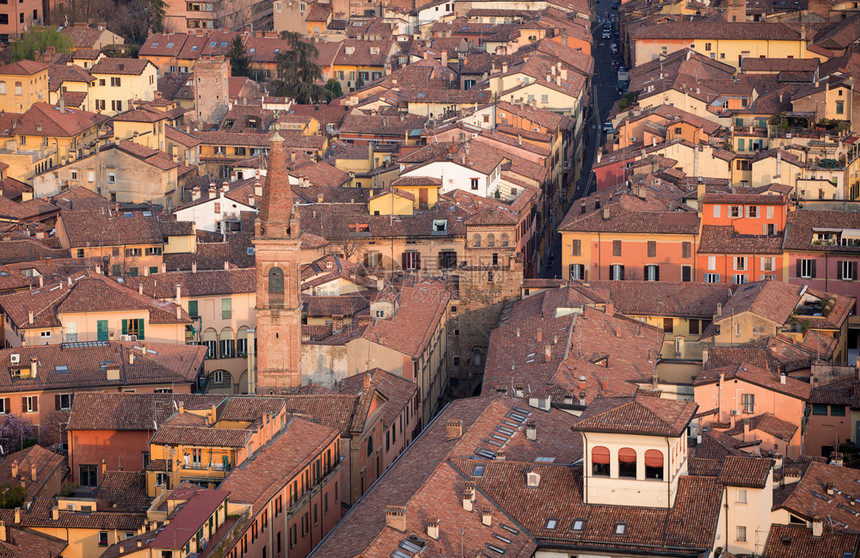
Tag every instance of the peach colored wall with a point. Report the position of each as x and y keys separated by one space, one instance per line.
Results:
x=744 y=224
x=782 y=406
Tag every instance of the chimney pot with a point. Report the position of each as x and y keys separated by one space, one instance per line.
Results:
x=453 y=429
x=395 y=517
x=33 y=475
x=487 y=517
x=433 y=527
x=531 y=430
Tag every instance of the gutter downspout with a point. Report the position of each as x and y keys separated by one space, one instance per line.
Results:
x=585 y=474
x=671 y=477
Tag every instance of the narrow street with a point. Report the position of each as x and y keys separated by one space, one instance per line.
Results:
x=603 y=96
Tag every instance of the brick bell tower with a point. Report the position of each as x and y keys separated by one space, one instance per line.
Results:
x=277 y=238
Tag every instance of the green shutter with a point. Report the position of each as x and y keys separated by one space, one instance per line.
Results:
x=115 y=270
x=740 y=144
x=153 y=269
x=192 y=308
x=102 y=328
x=226 y=308
x=140 y=329
x=125 y=327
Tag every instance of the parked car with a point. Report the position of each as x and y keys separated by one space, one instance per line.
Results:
x=606 y=33
x=607 y=128
x=613 y=48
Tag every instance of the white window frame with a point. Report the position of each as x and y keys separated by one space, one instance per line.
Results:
x=711 y=278
x=740 y=263
x=740 y=279
x=717 y=211
x=769 y=212
x=768 y=264
x=712 y=262
x=742 y=533
x=741 y=495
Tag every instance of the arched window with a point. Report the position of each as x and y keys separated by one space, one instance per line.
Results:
x=242 y=342
x=210 y=340
x=276 y=280
x=2 y=87
x=505 y=239
x=653 y=464
x=600 y=461
x=491 y=240
x=227 y=343
x=369 y=446
x=19 y=90
x=627 y=462
x=476 y=241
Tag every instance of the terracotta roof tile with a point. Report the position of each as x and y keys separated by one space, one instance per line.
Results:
x=796 y=541
x=642 y=415
x=124 y=490
x=759 y=376
x=750 y=472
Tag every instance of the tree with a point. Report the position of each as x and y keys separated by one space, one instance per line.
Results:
x=39 y=39
x=299 y=76
x=156 y=15
x=16 y=433
x=12 y=496
x=240 y=62
x=333 y=85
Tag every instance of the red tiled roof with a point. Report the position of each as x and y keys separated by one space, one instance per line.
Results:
x=750 y=472
x=796 y=541
x=642 y=415
x=759 y=376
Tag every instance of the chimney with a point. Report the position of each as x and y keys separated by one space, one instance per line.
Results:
x=539 y=335
x=468 y=497
x=17 y=518
x=704 y=357
x=4 y=536
x=453 y=429
x=34 y=367
x=163 y=267
x=548 y=352
x=828 y=487
x=55 y=513
x=258 y=189
x=582 y=383
x=103 y=467
x=433 y=527
x=531 y=430
x=195 y=193
x=719 y=310
x=606 y=213
x=817 y=527
x=212 y=190
x=41 y=281
x=746 y=430
x=782 y=379
x=487 y=517
x=609 y=308
x=130 y=357
x=225 y=187
x=194 y=267
x=140 y=288
x=15 y=469
x=33 y=476
x=395 y=517
x=30 y=317
x=518 y=332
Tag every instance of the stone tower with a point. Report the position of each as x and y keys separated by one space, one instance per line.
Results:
x=277 y=238
x=211 y=88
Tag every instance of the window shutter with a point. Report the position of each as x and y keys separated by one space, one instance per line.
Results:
x=839 y=269
x=125 y=327
x=645 y=273
x=405 y=260
x=656 y=272
x=417 y=260
x=140 y=329
x=35 y=403
x=621 y=277
x=71 y=399
x=57 y=402
x=798 y=268
x=812 y=269
x=367 y=259
x=441 y=260
x=23 y=405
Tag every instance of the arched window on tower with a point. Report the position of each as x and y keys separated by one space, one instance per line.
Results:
x=276 y=280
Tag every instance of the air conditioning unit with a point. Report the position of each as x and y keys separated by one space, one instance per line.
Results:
x=128 y=337
x=735 y=412
x=15 y=358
